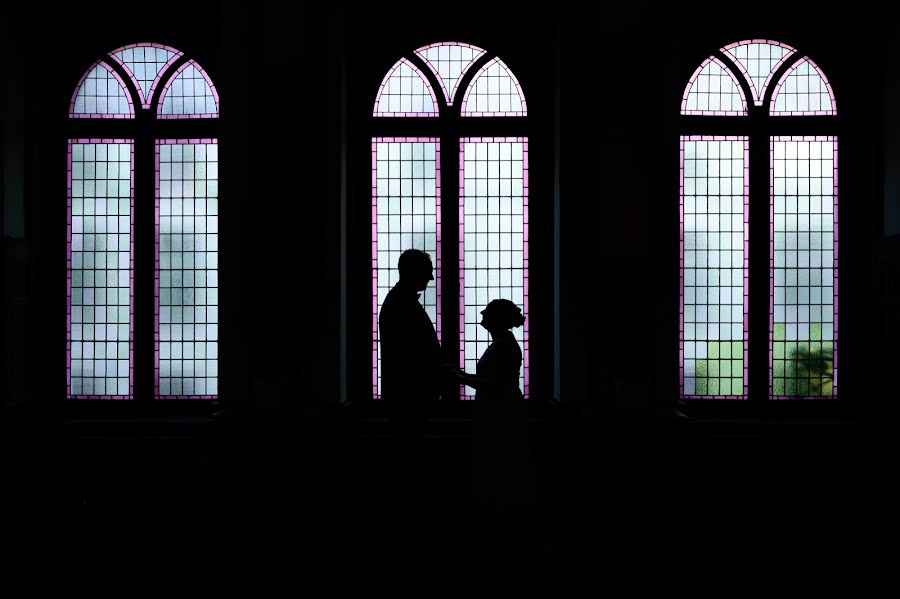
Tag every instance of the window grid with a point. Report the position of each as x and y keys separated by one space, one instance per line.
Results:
x=144 y=63
x=189 y=94
x=449 y=61
x=100 y=267
x=714 y=90
x=405 y=92
x=101 y=94
x=494 y=91
x=803 y=90
x=493 y=241
x=406 y=213
x=803 y=316
x=186 y=281
x=713 y=324
x=758 y=60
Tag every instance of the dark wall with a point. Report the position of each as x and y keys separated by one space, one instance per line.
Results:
x=297 y=85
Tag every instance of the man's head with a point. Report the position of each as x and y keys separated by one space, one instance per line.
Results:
x=415 y=269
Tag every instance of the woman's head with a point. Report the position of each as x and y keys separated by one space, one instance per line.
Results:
x=501 y=314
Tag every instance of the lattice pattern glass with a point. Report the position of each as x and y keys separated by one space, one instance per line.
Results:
x=494 y=91
x=713 y=90
x=493 y=245
x=714 y=235
x=145 y=62
x=449 y=61
x=405 y=92
x=100 y=265
x=803 y=90
x=406 y=208
x=804 y=267
x=758 y=59
x=187 y=269
x=189 y=94
x=101 y=94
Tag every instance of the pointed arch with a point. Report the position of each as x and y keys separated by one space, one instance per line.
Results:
x=101 y=94
x=190 y=93
x=714 y=90
x=405 y=91
x=803 y=90
x=494 y=91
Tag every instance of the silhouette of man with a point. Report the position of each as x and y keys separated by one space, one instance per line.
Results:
x=410 y=350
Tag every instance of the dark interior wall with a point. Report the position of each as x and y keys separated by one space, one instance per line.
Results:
x=296 y=83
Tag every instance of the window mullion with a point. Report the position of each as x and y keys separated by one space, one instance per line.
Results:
x=759 y=271
x=449 y=248
x=144 y=268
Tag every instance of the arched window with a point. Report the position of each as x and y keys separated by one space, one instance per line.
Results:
x=728 y=217
x=142 y=222
x=476 y=231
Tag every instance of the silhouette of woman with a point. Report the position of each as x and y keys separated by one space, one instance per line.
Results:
x=504 y=480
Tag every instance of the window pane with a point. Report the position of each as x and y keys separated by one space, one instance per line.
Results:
x=803 y=90
x=190 y=93
x=449 y=61
x=493 y=240
x=405 y=92
x=713 y=90
x=713 y=323
x=187 y=269
x=758 y=59
x=101 y=94
x=494 y=91
x=100 y=264
x=145 y=62
x=804 y=267
x=406 y=208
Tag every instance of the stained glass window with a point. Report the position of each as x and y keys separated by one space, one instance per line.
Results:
x=101 y=94
x=405 y=92
x=804 y=266
x=187 y=268
x=100 y=260
x=493 y=236
x=486 y=215
x=145 y=63
x=714 y=233
x=719 y=229
x=406 y=213
x=713 y=90
x=803 y=90
x=190 y=94
x=106 y=224
x=494 y=92
x=449 y=61
x=758 y=60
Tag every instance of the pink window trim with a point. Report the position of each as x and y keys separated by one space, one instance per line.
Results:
x=74 y=115
x=69 y=393
x=146 y=98
x=526 y=354
x=690 y=85
x=424 y=80
x=787 y=74
x=834 y=139
x=212 y=88
x=437 y=265
x=449 y=96
x=758 y=95
x=490 y=63
x=156 y=269
x=746 y=141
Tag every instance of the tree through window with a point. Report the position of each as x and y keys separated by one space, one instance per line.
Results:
x=717 y=341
